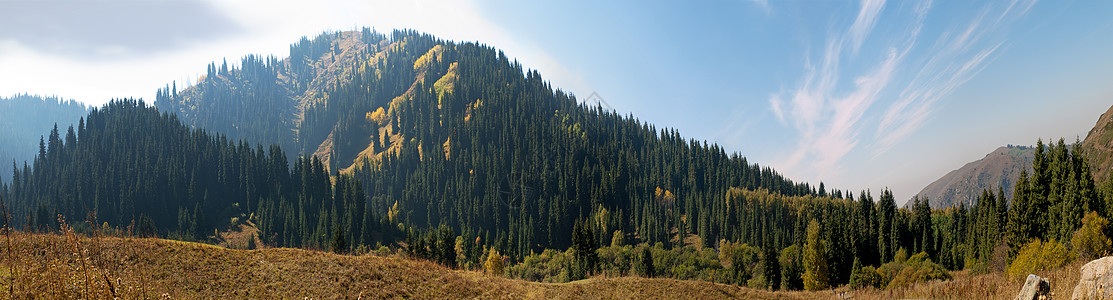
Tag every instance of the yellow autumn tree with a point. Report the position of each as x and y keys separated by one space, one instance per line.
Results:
x=815 y=259
x=378 y=116
x=494 y=263
x=1090 y=240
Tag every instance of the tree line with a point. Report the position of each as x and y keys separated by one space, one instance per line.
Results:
x=475 y=157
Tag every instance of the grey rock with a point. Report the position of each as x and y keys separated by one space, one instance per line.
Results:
x=1095 y=280
x=1034 y=287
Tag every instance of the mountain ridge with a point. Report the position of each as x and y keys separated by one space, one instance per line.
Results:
x=442 y=133
x=997 y=170
x=1098 y=147
x=1002 y=167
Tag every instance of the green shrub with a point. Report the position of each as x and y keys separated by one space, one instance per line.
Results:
x=1039 y=256
x=918 y=268
x=868 y=276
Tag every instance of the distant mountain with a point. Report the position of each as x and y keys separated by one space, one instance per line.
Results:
x=998 y=169
x=1098 y=147
x=24 y=119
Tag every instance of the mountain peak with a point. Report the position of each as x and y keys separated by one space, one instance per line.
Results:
x=998 y=169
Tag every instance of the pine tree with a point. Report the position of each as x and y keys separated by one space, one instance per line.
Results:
x=447 y=246
x=772 y=267
x=339 y=243
x=645 y=263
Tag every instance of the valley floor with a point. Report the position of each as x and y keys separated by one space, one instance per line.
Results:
x=57 y=266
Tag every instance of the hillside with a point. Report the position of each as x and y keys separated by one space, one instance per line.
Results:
x=54 y=266
x=131 y=166
x=458 y=134
x=129 y=268
x=24 y=119
x=998 y=169
x=1098 y=147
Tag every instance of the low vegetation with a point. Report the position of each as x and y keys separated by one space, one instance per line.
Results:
x=70 y=265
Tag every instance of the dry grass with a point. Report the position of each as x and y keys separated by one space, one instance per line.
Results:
x=985 y=286
x=72 y=266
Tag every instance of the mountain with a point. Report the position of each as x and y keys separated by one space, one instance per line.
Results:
x=1098 y=147
x=25 y=119
x=128 y=165
x=998 y=169
x=458 y=134
x=287 y=101
x=447 y=152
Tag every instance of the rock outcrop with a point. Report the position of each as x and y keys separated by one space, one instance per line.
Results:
x=1034 y=287
x=1095 y=280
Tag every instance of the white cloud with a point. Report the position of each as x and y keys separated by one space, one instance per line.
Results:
x=867 y=17
x=959 y=55
x=763 y=5
x=261 y=27
x=775 y=103
x=830 y=116
x=829 y=120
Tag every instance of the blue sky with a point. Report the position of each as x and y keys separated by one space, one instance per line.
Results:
x=857 y=94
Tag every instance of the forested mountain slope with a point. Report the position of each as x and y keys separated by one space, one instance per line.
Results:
x=25 y=119
x=127 y=165
x=997 y=170
x=472 y=140
x=1002 y=167
x=454 y=153
x=1098 y=147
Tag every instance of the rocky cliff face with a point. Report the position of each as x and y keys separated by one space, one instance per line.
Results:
x=1098 y=147
x=999 y=168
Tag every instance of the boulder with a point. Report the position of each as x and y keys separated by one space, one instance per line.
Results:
x=1095 y=280
x=1034 y=287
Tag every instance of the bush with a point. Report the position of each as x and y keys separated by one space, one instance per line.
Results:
x=1089 y=241
x=1038 y=256
x=549 y=266
x=910 y=270
x=494 y=263
x=918 y=268
x=868 y=276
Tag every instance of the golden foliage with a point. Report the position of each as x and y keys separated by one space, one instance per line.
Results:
x=434 y=53
x=446 y=84
x=494 y=263
x=1039 y=256
x=378 y=116
x=1090 y=241
x=815 y=260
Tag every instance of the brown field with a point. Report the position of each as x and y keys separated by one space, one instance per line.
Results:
x=72 y=266
x=985 y=286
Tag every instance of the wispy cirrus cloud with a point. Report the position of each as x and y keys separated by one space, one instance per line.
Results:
x=828 y=119
x=763 y=5
x=904 y=85
x=957 y=56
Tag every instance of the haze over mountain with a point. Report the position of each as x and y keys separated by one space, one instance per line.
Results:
x=850 y=78
x=450 y=150
x=997 y=170
x=24 y=120
x=1098 y=147
x=1001 y=168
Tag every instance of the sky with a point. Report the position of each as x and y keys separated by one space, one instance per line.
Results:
x=858 y=95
